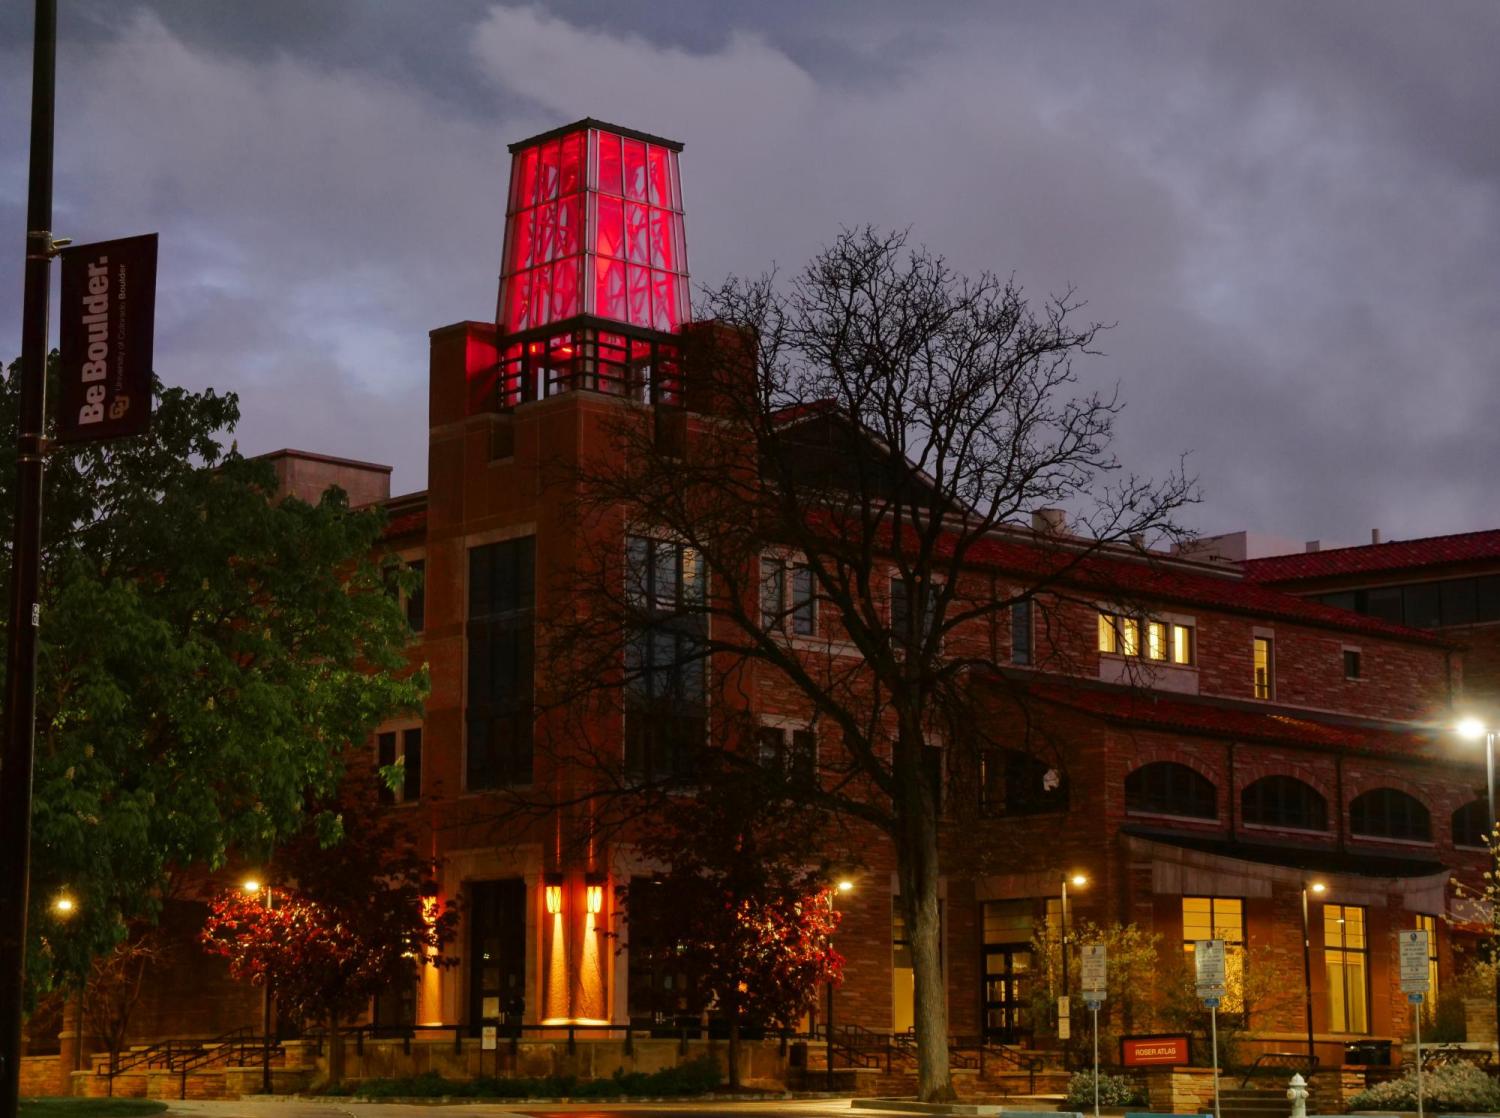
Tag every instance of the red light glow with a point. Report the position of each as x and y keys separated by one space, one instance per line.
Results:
x=594 y=226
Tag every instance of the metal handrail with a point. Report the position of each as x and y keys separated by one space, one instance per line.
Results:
x=1280 y=1061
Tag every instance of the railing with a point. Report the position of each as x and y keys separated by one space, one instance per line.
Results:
x=978 y=1052
x=512 y=1034
x=1268 y=1062
x=1437 y=1055
x=181 y=1056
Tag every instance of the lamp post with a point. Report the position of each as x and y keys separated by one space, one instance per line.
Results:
x=1316 y=887
x=1473 y=729
x=844 y=886
x=252 y=886
x=1078 y=881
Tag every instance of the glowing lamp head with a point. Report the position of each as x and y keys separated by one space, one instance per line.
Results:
x=1078 y=880
x=63 y=905
x=595 y=898
x=251 y=885
x=845 y=885
x=552 y=893
x=1471 y=729
x=1318 y=887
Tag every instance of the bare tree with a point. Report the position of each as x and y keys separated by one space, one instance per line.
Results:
x=823 y=511
x=114 y=985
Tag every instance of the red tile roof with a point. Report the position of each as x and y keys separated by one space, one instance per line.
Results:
x=1271 y=724
x=1398 y=555
x=408 y=515
x=1171 y=582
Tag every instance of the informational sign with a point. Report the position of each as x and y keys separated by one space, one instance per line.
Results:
x=105 y=338
x=1095 y=972
x=1208 y=959
x=1064 y=1023
x=1415 y=975
x=1172 y=1050
x=491 y=1007
x=487 y=1038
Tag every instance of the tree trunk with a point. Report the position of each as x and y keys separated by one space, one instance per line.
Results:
x=917 y=869
x=335 y=1051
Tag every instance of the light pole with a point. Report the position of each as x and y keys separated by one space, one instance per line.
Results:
x=252 y=886
x=1473 y=729
x=1078 y=881
x=1316 y=887
x=844 y=886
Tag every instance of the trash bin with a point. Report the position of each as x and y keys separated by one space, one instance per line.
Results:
x=1368 y=1053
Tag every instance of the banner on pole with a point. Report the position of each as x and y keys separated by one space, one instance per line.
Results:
x=106 y=332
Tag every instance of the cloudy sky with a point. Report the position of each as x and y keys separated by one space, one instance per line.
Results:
x=1291 y=210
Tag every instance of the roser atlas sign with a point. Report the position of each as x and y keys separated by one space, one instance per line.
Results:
x=105 y=338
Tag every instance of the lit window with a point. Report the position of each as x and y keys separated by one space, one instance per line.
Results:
x=1219 y=918
x=1428 y=924
x=1182 y=644
x=1120 y=635
x=1109 y=636
x=1265 y=668
x=1156 y=640
x=1346 y=955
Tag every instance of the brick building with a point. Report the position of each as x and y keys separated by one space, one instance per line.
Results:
x=1202 y=754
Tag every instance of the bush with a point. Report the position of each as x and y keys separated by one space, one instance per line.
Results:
x=692 y=1078
x=1114 y=1090
x=1457 y=1086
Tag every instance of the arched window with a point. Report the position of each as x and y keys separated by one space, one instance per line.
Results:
x=1284 y=801
x=1167 y=788
x=1387 y=813
x=1471 y=823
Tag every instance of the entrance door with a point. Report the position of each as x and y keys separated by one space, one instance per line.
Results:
x=497 y=952
x=1007 y=993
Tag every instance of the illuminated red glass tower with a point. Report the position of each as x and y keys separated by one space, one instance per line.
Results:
x=594 y=282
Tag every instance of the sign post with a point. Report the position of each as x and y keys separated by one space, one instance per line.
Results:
x=1208 y=960
x=1415 y=984
x=1095 y=989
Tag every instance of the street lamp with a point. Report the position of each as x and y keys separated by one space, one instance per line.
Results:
x=1318 y=888
x=844 y=887
x=1473 y=729
x=64 y=905
x=253 y=887
x=1078 y=881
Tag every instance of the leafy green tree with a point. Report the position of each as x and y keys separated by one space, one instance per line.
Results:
x=208 y=653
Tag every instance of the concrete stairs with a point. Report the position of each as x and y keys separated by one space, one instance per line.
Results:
x=1259 y=1101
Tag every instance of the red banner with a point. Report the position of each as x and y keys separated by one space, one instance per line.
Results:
x=1155 y=1051
x=105 y=339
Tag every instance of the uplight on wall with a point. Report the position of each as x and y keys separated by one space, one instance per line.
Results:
x=595 y=897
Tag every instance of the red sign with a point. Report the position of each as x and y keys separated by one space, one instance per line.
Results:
x=1156 y=1051
x=104 y=339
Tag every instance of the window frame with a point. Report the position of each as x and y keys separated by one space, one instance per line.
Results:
x=1366 y=802
x=1281 y=781
x=512 y=764
x=1234 y=999
x=1164 y=767
x=1135 y=637
x=1481 y=806
x=1339 y=955
x=402 y=736
x=1263 y=678
x=1022 y=620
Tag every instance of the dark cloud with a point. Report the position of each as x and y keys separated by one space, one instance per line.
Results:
x=1292 y=211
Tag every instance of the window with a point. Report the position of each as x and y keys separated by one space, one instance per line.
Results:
x=1351 y=663
x=1265 y=668
x=1164 y=640
x=1020 y=632
x=777 y=609
x=403 y=747
x=661 y=989
x=416 y=600
x=1167 y=788
x=789 y=754
x=1016 y=783
x=1428 y=924
x=666 y=711
x=1219 y=918
x=1471 y=824
x=1346 y=955
x=1284 y=801
x=1387 y=813
x=498 y=714
x=901 y=610
x=1426 y=605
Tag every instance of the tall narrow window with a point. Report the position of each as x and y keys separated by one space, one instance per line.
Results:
x=666 y=708
x=903 y=1001
x=1219 y=918
x=1428 y=924
x=772 y=593
x=1351 y=663
x=1265 y=668
x=901 y=610
x=416 y=599
x=1020 y=632
x=804 y=602
x=403 y=747
x=498 y=714
x=1156 y=640
x=1346 y=956
x=1182 y=644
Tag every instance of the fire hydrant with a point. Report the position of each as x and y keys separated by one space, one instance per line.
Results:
x=1297 y=1092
